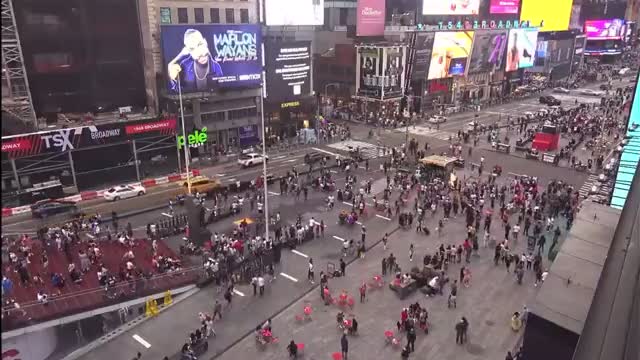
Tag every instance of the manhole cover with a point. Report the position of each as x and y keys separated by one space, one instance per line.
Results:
x=475 y=349
x=489 y=323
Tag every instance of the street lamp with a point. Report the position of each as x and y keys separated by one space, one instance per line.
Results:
x=184 y=134
x=264 y=164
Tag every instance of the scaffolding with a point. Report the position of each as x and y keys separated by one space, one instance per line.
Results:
x=16 y=97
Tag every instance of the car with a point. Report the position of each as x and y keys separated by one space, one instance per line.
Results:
x=590 y=92
x=473 y=126
x=123 y=192
x=314 y=157
x=201 y=184
x=561 y=90
x=251 y=159
x=437 y=119
x=549 y=100
x=605 y=87
x=624 y=71
x=45 y=208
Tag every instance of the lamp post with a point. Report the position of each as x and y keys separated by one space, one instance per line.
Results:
x=264 y=167
x=184 y=134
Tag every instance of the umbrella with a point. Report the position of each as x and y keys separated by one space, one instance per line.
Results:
x=247 y=220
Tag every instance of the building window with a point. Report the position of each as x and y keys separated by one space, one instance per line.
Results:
x=165 y=15
x=244 y=16
x=242 y=113
x=183 y=16
x=229 y=16
x=199 y=15
x=216 y=116
x=215 y=16
x=344 y=14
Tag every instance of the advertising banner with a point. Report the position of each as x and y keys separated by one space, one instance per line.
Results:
x=248 y=135
x=554 y=14
x=370 y=71
x=603 y=29
x=541 y=53
x=61 y=140
x=521 y=48
x=211 y=57
x=370 y=18
x=294 y=12
x=288 y=70
x=560 y=51
x=450 y=7
x=422 y=55
x=448 y=46
x=488 y=51
x=504 y=6
x=393 y=79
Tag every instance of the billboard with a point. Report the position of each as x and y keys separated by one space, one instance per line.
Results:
x=380 y=71
x=211 y=57
x=541 y=52
x=61 y=140
x=521 y=48
x=450 y=7
x=449 y=47
x=488 y=51
x=504 y=6
x=370 y=19
x=603 y=29
x=288 y=70
x=294 y=12
x=422 y=55
x=555 y=14
x=560 y=51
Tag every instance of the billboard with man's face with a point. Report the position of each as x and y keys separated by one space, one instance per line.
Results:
x=211 y=57
x=521 y=48
x=603 y=29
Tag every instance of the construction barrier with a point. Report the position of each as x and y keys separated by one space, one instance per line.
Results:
x=167 y=298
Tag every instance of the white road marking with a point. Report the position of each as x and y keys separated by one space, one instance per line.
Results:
x=299 y=253
x=238 y=292
x=273 y=193
x=290 y=160
x=333 y=171
x=221 y=175
x=383 y=217
x=91 y=236
x=142 y=341
x=232 y=179
x=358 y=222
x=347 y=203
x=339 y=238
x=327 y=152
x=167 y=215
x=289 y=277
x=279 y=157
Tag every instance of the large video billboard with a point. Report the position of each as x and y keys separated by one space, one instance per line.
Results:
x=521 y=48
x=380 y=71
x=504 y=6
x=211 y=57
x=451 y=50
x=370 y=18
x=555 y=14
x=450 y=7
x=604 y=29
x=288 y=70
x=560 y=51
x=488 y=51
x=61 y=140
x=422 y=55
x=294 y=12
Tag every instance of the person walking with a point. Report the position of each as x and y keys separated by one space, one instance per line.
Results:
x=363 y=292
x=411 y=252
x=310 y=274
x=459 y=331
x=343 y=267
x=344 y=345
x=411 y=339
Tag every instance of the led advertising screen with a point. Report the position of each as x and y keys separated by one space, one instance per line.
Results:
x=560 y=51
x=457 y=66
x=370 y=61
x=630 y=156
x=211 y=57
x=555 y=14
x=541 y=53
x=504 y=6
x=521 y=48
x=450 y=7
x=288 y=70
x=603 y=29
x=488 y=51
x=448 y=46
x=370 y=18
x=393 y=78
x=294 y=12
x=422 y=55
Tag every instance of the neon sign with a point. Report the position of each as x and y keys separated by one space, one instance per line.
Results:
x=196 y=139
x=484 y=24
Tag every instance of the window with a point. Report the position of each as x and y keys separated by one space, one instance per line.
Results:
x=344 y=14
x=165 y=15
x=229 y=16
x=198 y=13
x=216 y=116
x=183 y=16
x=242 y=113
x=244 y=16
x=215 y=16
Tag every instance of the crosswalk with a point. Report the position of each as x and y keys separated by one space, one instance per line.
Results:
x=427 y=131
x=586 y=187
x=367 y=150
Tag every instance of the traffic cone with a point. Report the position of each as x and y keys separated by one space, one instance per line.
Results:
x=167 y=298
x=154 y=307
x=148 y=311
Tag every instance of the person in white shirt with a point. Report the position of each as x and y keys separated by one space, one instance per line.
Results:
x=310 y=274
x=261 y=285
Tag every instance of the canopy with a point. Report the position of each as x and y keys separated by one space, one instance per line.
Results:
x=437 y=160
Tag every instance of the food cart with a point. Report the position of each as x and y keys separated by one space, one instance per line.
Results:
x=437 y=166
